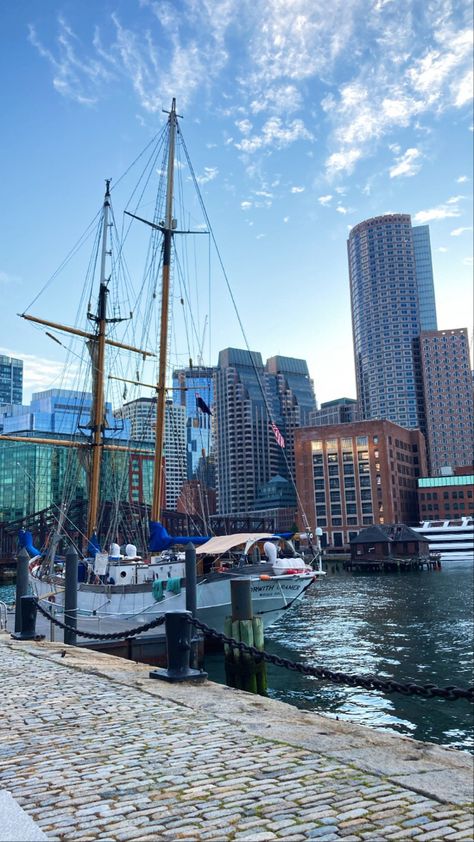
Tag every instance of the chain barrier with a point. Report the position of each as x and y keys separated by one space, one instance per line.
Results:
x=111 y=636
x=369 y=682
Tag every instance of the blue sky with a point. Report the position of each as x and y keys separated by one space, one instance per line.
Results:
x=302 y=118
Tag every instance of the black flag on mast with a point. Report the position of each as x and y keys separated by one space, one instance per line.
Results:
x=202 y=405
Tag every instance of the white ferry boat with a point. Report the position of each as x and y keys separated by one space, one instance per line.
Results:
x=452 y=539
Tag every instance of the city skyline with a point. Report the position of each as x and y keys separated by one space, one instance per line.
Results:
x=302 y=126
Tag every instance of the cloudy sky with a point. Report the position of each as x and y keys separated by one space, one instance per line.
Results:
x=302 y=118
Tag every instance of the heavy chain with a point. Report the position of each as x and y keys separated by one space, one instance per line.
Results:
x=111 y=636
x=369 y=682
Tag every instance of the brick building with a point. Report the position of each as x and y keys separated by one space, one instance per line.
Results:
x=350 y=476
x=447 y=497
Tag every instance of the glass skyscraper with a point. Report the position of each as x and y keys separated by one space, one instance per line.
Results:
x=392 y=299
x=11 y=380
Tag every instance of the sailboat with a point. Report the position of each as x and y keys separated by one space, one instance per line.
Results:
x=119 y=587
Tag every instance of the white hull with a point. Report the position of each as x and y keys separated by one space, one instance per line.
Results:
x=105 y=609
x=452 y=539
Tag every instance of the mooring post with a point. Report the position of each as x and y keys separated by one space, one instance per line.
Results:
x=191 y=600
x=28 y=608
x=21 y=585
x=178 y=650
x=70 y=596
x=242 y=669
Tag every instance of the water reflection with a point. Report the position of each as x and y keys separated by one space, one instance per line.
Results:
x=409 y=627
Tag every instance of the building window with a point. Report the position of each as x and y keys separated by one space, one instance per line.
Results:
x=362 y=441
x=316 y=445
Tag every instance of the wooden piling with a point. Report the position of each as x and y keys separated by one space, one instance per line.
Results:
x=242 y=670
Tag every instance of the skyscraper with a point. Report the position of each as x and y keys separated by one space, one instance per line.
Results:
x=257 y=410
x=448 y=398
x=392 y=299
x=11 y=380
x=190 y=384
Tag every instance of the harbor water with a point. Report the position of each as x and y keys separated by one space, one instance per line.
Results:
x=412 y=627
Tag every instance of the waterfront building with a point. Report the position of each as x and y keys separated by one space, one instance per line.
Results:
x=193 y=389
x=339 y=411
x=36 y=476
x=141 y=415
x=392 y=300
x=447 y=384
x=447 y=497
x=350 y=476
x=248 y=398
x=11 y=380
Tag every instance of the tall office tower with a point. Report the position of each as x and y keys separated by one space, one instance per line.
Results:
x=193 y=389
x=11 y=380
x=339 y=411
x=424 y=277
x=391 y=298
x=141 y=414
x=248 y=398
x=448 y=392
x=295 y=402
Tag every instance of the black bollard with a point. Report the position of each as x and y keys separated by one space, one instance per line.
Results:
x=28 y=620
x=243 y=670
x=21 y=585
x=70 y=596
x=191 y=600
x=178 y=649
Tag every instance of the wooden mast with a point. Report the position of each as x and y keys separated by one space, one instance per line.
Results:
x=167 y=229
x=98 y=365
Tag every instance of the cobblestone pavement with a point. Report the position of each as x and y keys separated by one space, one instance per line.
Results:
x=90 y=758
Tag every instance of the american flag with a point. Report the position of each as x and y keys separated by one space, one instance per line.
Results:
x=278 y=436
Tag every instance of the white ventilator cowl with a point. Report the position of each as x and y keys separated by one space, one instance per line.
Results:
x=131 y=551
x=114 y=551
x=270 y=551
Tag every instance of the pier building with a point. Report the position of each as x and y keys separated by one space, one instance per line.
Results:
x=350 y=476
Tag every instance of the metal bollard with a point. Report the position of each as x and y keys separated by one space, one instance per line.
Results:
x=178 y=648
x=28 y=620
x=191 y=601
x=70 y=596
x=21 y=584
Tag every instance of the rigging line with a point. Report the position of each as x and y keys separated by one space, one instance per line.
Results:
x=56 y=507
x=229 y=288
x=66 y=260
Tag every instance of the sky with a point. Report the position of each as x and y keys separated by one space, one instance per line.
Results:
x=302 y=118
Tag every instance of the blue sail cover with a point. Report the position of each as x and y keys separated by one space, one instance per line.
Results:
x=25 y=540
x=93 y=546
x=160 y=539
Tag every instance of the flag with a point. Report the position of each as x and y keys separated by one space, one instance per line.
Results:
x=202 y=405
x=278 y=436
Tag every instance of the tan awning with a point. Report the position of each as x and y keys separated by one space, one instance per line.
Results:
x=223 y=543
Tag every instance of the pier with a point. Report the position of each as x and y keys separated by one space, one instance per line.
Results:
x=93 y=750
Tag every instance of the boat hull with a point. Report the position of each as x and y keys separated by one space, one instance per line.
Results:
x=104 y=609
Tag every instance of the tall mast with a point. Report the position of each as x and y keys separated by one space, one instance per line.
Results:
x=167 y=229
x=98 y=366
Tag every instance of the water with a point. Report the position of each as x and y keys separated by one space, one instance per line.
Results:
x=410 y=627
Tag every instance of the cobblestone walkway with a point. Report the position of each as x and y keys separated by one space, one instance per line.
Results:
x=90 y=758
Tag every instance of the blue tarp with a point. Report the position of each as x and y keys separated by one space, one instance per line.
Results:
x=25 y=539
x=93 y=546
x=160 y=539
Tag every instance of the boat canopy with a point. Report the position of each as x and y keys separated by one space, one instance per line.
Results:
x=224 y=543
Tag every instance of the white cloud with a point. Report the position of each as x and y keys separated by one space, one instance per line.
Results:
x=454 y=200
x=342 y=209
x=246 y=205
x=42 y=373
x=275 y=134
x=462 y=179
x=244 y=126
x=7 y=278
x=442 y=249
x=297 y=190
x=325 y=200
x=210 y=173
x=407 y=164
x=443 y=211
x=456 y=232
x=286 y=219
